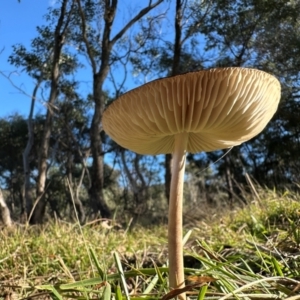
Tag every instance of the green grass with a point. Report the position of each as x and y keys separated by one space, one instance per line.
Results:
x=251 y=252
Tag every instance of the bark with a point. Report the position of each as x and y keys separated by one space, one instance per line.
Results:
x=177 y=43
x=59 y=36
x=96 y=189
x=27 y=199
x=175 y=71
x=99 y=76
x=168 y=175
x=4 y=212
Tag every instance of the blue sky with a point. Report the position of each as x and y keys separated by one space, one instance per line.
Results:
x=18 y=23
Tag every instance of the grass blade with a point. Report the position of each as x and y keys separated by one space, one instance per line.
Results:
x=96 y=262
x=202 y=292
x=106 y=292
x=121 y=273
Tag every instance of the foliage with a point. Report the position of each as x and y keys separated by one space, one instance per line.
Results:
x=254 y=34
x=116 y=54
x=13 y=135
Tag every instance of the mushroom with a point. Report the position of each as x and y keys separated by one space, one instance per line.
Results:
x=198 y=111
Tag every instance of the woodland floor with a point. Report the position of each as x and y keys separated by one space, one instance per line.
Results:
x=248 y=253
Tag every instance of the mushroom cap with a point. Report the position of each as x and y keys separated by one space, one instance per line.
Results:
x=217 y=108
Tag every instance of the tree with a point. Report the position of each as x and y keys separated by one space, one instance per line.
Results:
x=183 y=36
x=256 y=34
x=4 y=212
x=100 y=58
x=183 y=11
x=163 y=55
x=46 y=62
x=73 y=148
x=13 y=137
x=60 y=35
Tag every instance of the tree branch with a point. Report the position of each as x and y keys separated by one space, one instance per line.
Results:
x=85 y=40
x=142 y=12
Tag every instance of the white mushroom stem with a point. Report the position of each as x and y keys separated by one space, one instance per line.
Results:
x=176 y=268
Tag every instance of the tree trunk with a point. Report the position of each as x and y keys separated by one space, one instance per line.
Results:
x=168 y=175
x=99 y=76
x=4 y=212
x=175 y=71
x=228 y=177
x=27 y=203
x=39 y=210
x=96 y=189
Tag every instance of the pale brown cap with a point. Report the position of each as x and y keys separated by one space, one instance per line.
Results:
x=217 y=108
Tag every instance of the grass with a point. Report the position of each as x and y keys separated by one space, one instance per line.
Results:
x=248 y=253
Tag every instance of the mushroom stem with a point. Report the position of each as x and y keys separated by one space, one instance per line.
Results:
x=176 y=269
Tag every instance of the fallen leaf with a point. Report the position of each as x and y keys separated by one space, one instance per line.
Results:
x=198 y=281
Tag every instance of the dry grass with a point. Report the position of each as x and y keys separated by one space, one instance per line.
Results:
x=253 y=253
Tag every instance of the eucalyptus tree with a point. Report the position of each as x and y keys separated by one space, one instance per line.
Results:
x=174 y=48
x=264 y=35
x=71 y=126
x=230 y=31
x=99 y=36
x=279 y=52
x=46 y=62
x=188 y=18
x=13 y=137
x=4 y=212
x=261 y=34
x=37 y=71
